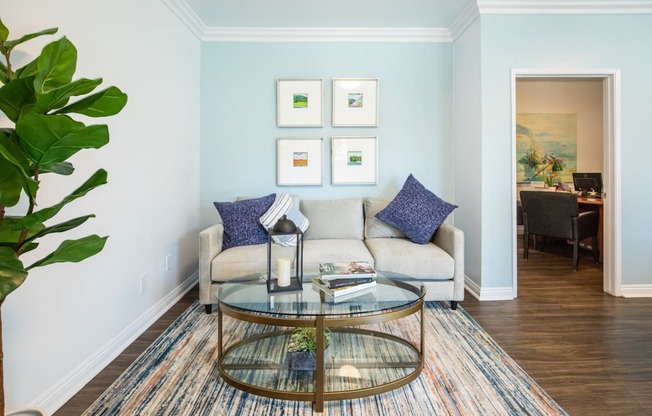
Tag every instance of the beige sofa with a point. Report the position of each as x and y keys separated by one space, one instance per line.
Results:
x=344 y=230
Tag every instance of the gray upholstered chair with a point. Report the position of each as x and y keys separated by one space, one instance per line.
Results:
x=556 y=215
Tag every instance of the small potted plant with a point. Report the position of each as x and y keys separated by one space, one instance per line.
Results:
x=302 y=350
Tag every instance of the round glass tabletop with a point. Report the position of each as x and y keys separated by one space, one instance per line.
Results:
x=249 y=294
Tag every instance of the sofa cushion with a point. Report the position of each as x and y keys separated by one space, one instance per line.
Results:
x=284 y=205
x=341 y=218
x=374 y=227
x=241 y=261
x=421 y=261
x=333 y=250
x=416 y=211
x=240 y=219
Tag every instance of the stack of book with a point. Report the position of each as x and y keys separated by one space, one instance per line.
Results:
x=342 y=279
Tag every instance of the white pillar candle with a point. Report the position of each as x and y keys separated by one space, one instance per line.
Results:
x=284 y=265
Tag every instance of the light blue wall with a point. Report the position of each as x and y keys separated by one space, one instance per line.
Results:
x=238 y=113
x=600 y=42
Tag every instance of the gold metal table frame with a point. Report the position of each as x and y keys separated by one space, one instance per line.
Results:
x=335 y=323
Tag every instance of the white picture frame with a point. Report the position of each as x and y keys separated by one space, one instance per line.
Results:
x=354 y=160
x=355 y=102
x=299 y=161
x=299 y=102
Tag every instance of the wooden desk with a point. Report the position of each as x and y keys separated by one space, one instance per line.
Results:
x=594 y=204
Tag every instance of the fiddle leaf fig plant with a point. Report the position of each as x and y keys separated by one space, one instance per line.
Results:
x=39 y=101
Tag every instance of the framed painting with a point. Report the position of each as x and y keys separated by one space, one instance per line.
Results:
x=354 y=160
x=299 y=161
x=299 y=103
x=355 y=102
x=546 y=147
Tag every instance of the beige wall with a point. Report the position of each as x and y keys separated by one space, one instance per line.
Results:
x=581 y=96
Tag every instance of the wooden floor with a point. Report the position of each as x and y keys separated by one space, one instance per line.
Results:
x=590 y=351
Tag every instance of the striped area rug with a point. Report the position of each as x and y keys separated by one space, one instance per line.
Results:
x=466 y=373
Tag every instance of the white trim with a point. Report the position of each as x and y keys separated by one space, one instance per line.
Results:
x=57 y=395
x=637 y=291
x=487 y=294
x=187 y=15
x=465 y=19
x=612 y=240
x=325 y=34
x=564 y=6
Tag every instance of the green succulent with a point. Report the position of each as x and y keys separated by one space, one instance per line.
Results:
x=305 y=339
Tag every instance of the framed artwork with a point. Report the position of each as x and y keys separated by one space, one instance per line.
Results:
x=355 y=102
x=546 y=147
x=354 y=160
x=299 y=161
x=299 y=103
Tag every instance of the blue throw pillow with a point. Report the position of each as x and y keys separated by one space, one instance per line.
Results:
x=240 y=219
x=416 y=211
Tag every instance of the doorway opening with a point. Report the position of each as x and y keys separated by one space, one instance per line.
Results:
x=609 y=81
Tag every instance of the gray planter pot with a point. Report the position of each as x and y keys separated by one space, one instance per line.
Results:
x=302 y=361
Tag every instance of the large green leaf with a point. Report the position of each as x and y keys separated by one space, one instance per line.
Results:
x=14 y=168
x=63 y=168
x=58 y=97
x=4 y=76
x=11 y=228
x=11 y=183
x=62 y=227
x=101 y=104
x=51 y=139
x=73 y=251
x=29 y=70
x=17 y=97
x=40 y=216
x=11 y=44
x=12 y=272
x=4 y=32
x=56 y=65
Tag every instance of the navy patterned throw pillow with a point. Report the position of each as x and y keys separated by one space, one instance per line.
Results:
x=416 y=211
x=240 y=219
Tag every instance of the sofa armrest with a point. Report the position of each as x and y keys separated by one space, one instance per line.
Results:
x=210 y=245
x=451 y=240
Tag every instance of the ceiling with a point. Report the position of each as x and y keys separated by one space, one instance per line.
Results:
x=330 y=13
x=366 y=20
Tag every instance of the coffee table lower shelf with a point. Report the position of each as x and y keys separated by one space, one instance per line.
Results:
x=358 y=363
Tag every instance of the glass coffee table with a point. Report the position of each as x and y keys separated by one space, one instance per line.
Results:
x=358 y=362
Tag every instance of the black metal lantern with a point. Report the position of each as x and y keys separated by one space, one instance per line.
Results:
x=284 y=280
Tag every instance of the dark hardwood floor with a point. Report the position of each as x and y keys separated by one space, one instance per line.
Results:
x=588 y=350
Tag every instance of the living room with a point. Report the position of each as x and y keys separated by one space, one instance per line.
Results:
x=198 y=97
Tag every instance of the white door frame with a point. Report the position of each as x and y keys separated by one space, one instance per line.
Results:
x=612 y=242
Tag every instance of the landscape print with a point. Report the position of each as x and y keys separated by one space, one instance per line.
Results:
x=356 y=99
x=300 y=159
x=546 y=147
x=354 y=158
x=300 y=100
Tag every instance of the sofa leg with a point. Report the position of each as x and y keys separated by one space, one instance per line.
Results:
x=209 y=309
x=454 y=305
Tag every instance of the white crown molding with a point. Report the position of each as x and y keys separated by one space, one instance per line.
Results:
x=464 y=19
x=309 y=34
x=565 y=6
x=187 y=15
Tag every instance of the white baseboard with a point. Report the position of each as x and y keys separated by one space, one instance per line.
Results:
x=636 y=291
x=73 y=382
x=492 y=293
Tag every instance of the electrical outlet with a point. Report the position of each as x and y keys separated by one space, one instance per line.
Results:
x=168 y=262
x=144 y=282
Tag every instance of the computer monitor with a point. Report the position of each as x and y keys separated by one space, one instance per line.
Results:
x=587 y=182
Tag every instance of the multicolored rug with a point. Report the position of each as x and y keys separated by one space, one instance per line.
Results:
x=466 y=373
